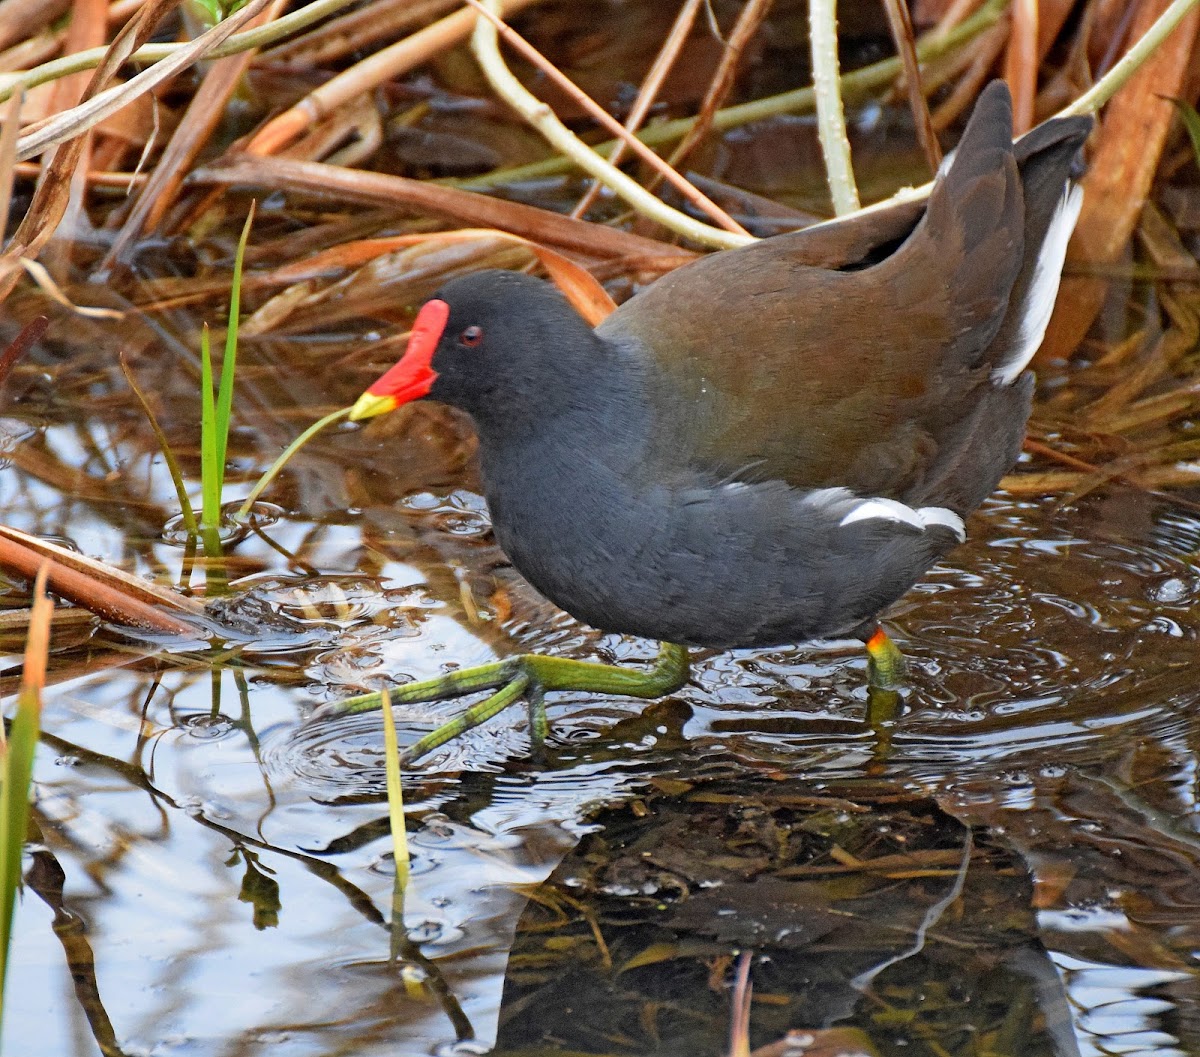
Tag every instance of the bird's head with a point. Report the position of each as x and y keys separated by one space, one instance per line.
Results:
x=489 y=343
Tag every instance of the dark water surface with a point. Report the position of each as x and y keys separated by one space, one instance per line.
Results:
x=213 y=875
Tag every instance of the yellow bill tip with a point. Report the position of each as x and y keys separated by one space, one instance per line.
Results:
x=370 y=405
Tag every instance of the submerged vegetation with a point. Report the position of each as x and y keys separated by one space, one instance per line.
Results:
x=959 y=879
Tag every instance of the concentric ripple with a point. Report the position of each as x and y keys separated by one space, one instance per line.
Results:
x=1027 y=639
x=342 y=758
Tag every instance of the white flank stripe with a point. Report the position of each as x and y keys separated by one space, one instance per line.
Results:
x=1040 y=297
x=939 y=515
x=891 y=510
x=888 y=509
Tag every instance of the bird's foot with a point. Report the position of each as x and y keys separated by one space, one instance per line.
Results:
x=886 y=669
x=885 y=680
x=529 y=676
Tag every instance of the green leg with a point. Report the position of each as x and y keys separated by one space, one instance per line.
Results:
x=539 y=726
x=885 y=662
x=529 y=675
x=885 y=678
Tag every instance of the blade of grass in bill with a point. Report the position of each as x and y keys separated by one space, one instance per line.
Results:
x=395 y=795
x=17 y=765
x=285 y=457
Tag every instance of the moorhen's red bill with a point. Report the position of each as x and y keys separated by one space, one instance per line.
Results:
x=755 y=451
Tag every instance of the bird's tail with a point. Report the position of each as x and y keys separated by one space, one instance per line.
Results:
x=1049 y=161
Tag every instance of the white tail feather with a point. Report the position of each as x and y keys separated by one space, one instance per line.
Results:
x=1043 y=289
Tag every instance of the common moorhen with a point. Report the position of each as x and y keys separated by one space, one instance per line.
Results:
x=754 y=451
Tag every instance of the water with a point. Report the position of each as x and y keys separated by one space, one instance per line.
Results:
x=225 y=871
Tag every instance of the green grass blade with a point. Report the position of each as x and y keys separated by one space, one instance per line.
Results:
x=17 y=768
x=213 y=11
x=1191 y=122
x=395 y=793
x=210 y=466
x=14 y=808
x=229 y=362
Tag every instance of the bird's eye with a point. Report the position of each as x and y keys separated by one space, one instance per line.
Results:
x=471 y=337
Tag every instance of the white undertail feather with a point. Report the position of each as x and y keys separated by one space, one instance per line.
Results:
x=921 y=518
x=1043 y=289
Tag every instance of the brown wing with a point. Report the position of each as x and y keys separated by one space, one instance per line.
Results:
x=861 y=378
